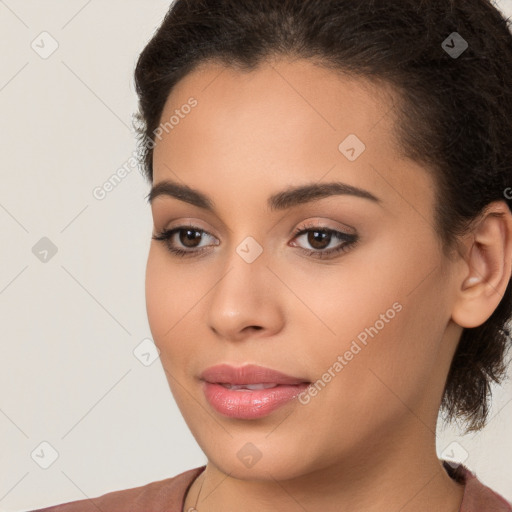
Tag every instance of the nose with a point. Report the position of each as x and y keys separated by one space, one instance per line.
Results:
x=246 y=300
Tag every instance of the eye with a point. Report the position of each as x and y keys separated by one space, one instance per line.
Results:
x=320 y=237
x=189 y=236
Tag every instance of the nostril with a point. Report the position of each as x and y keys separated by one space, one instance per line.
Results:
x=255 y=327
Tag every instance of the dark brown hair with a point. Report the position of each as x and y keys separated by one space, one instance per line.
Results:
x=453 y=114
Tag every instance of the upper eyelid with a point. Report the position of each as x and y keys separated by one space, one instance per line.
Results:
x=304 y=227
x=221 y=225
x=319 y=225
x=306 y=224
x=299 y=231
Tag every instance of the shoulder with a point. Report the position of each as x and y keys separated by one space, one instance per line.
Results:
x=160 y=496
x=477 y=496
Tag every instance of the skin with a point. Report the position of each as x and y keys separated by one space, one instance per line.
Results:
x=366 y=441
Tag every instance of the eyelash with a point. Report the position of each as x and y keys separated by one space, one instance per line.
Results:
x=350 y=240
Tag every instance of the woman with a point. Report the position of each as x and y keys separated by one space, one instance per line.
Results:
x=332 y=253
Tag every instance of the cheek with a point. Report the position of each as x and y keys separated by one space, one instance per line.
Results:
x=169 y=297
x=174 y=299
x=158 y=298
x=384 y=314
x=167 y=303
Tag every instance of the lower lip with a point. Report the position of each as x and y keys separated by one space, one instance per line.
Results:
x=249 y=404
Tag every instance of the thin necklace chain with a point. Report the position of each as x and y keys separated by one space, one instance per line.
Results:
x=194 y=508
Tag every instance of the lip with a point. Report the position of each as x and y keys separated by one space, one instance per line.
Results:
x=248 y=374
x=249 y=404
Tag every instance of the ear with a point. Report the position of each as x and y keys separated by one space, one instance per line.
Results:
x=486 y=266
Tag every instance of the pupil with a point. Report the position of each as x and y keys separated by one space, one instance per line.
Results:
x=191 y=235
x=323 y=237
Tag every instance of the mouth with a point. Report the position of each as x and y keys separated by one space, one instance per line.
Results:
x=248 y=376
x=247 y=387
x=249 y=392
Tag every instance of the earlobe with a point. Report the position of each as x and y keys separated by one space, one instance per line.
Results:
x=487 y=267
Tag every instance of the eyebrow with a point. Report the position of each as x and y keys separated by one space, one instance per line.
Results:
x=292 y=196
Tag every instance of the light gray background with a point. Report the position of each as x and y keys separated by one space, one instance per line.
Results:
x=68 y=374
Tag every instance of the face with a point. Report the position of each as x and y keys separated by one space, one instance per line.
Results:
x=347 y=291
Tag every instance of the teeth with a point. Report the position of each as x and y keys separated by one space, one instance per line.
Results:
x=249 y=387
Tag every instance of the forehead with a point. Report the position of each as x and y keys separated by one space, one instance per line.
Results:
x=283 y=94
x=280 y=105
x=283 y=123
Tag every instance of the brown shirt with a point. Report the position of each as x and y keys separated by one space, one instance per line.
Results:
x=169 y=495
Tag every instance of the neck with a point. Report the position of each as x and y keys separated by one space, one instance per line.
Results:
x=384 y=479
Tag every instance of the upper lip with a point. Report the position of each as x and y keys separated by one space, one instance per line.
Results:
x=248 y=374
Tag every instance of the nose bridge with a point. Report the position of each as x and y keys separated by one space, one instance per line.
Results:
x=250 y=250
x=245 y=269
x=242 y=296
